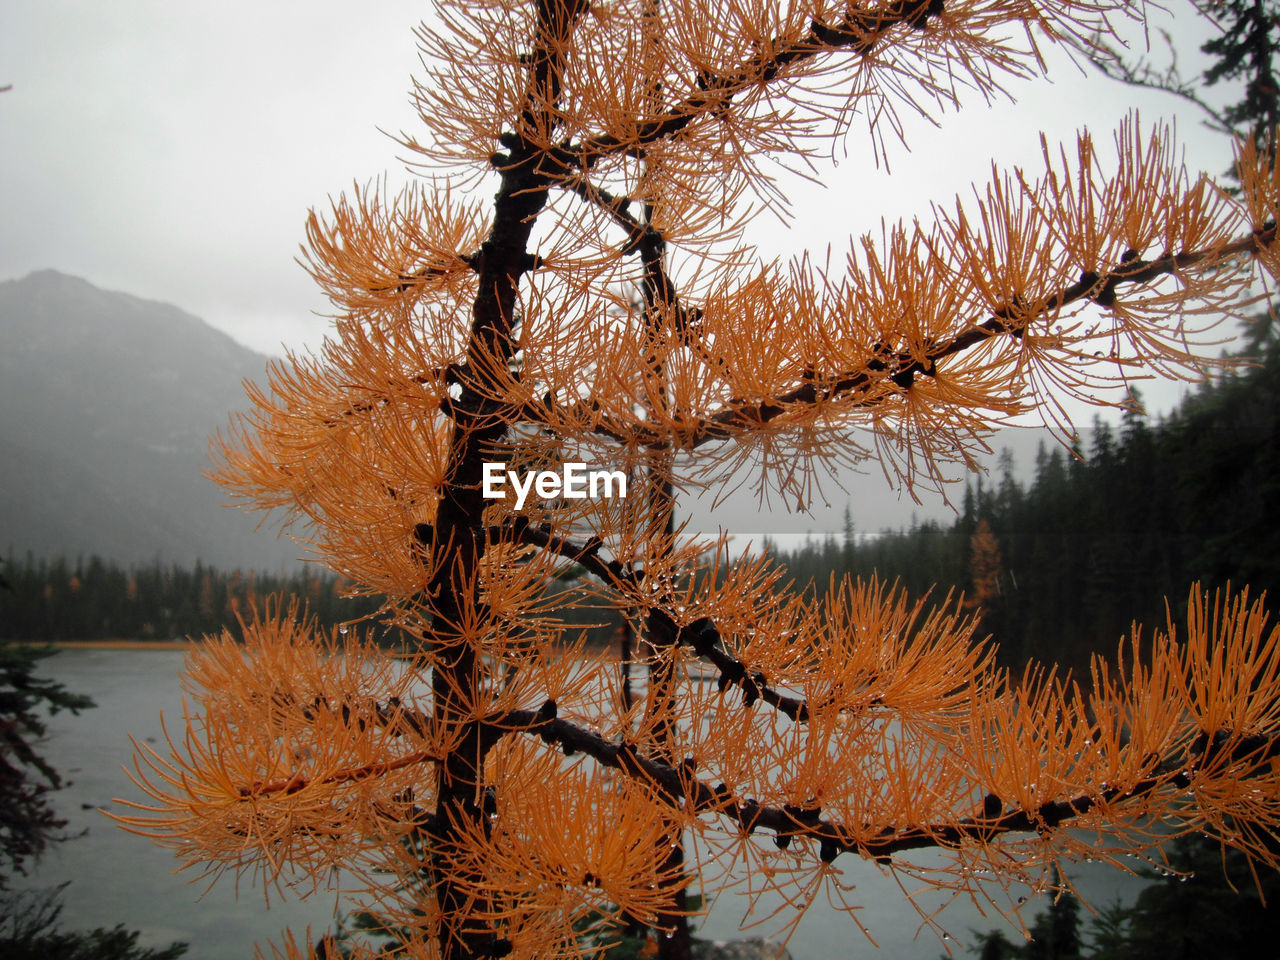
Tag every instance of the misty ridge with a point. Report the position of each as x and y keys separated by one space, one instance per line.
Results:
x=111 y=400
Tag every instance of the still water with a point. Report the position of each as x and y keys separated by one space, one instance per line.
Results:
x=116 y=877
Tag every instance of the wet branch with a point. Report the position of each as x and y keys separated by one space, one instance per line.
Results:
x=858 y=30
x=679 y=786
x=902 y=367
x=701 y=635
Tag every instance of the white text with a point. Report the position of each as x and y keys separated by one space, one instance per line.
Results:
x=573 y=482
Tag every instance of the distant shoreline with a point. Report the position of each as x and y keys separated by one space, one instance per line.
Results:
x=120 y=644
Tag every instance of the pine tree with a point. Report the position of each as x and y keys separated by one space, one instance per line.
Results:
x=985 y=568
x=1245 y=48
x=492 y=790
x=28 y=821
x=1055 y=934
x=1244 y=37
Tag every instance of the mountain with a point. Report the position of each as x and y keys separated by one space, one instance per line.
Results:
x=108 y=401
x=106 y=405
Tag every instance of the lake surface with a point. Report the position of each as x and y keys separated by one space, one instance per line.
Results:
x=116 y=877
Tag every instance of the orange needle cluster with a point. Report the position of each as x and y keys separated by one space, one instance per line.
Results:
x=571 y=283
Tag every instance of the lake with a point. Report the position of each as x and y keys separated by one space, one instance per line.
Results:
x=116 y=877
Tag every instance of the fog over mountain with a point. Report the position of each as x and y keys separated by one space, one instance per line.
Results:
x=875 y=503
x=107 y=405
x=109 y=401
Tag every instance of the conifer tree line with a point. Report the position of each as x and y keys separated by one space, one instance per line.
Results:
x=95 y=599
x=1060 y=567
x=1208 y=904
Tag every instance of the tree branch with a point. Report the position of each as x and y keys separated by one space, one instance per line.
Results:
x=617 y=208
x=343 y=775
x=858 y=30
x=701 y=635
x=587 y=554
x=679 y=786
x=704 y=638
x=902 y=367
x=1141 y=74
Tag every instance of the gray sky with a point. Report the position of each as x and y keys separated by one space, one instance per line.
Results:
x=172 y=150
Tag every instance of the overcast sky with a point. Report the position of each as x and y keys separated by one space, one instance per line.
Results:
x=172 y=149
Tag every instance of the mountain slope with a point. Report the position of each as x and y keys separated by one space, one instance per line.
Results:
x=106 y=405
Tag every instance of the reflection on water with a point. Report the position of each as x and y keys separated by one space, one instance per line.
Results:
x=116 y=877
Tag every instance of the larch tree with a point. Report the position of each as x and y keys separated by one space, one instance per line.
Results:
x=570 y=284
x=985 y=568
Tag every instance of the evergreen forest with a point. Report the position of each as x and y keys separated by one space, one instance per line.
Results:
x=1055 y=567
x=97 y=599
x=1059 y=567
x=1206 y=903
